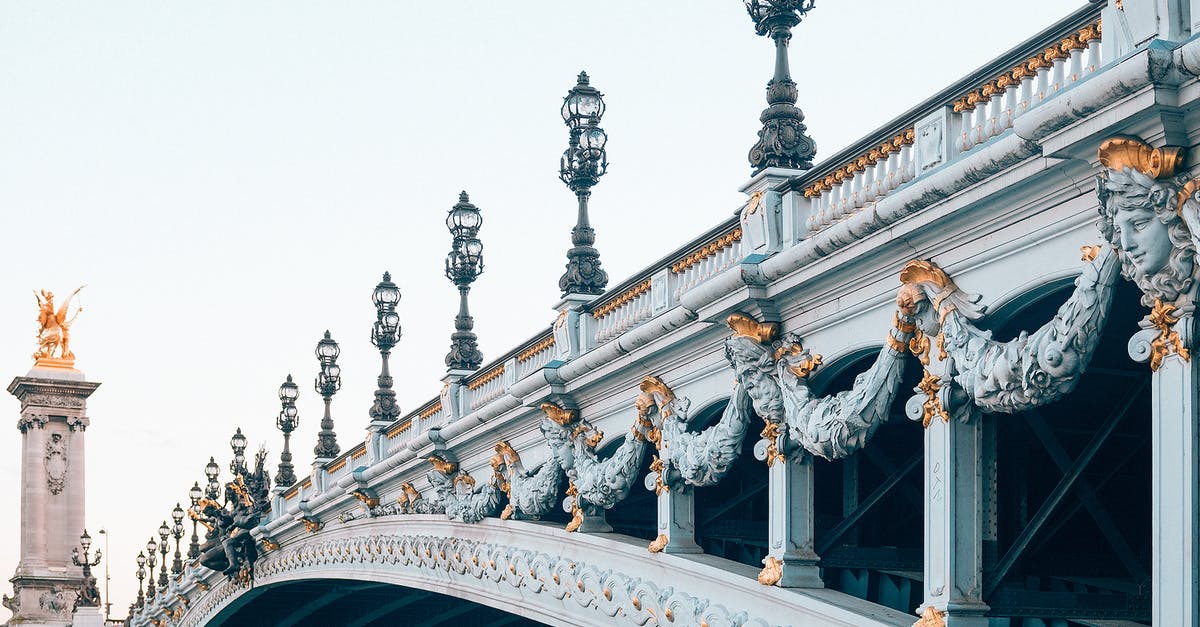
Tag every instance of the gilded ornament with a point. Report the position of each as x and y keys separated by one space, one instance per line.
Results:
x=1117 y=153
x=805 y=367
x=658 y=544
x=624 y=297
x=930 y=385
x=770 y=433
x=398 y=429
x=708 y=250
x=753 y=204
x=772 y=571
x=312 y=525
x=54 y=330
x=268 y=545
x=540 y=346
x=507 y=513
x=576 y=511
x=559 y=415
x=745 y=326
x=368 y=500
x=931 y=617
x=919 y=346
x=1089 y=252
x=431 y=410
x=485 y=378
x=1168 y=340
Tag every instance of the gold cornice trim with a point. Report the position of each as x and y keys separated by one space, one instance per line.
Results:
x=398 y=429
x=358 y=452
x=291 y=493
x=337 y=465
x=707 y=250
x=624 y=297
x=431 y=410
x=485 y=378
x=542 y=345
x=861 y=162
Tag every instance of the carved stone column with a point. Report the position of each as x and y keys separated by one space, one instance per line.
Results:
x=52 y=424
x=791 y=559
x=1174 y=429
x=953 y=505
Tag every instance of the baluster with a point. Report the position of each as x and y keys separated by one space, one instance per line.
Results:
x=1043 y=81
x=1091 y=36
x=1057 y=70
x=1075 y=62
x=908 y=166
x=994 y=96
x=1025 y=99
x=1010 y=100
x=979 y=130
x=835 y=202
x=856 y=192
x=868 y=184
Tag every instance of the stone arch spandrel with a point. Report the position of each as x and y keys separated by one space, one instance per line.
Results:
x=542 y=572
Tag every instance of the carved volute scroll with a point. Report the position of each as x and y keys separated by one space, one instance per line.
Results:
x=773 y=374
x=530 y=494
x=56 y=462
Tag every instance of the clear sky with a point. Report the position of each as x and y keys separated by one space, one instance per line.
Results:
x=231 y=178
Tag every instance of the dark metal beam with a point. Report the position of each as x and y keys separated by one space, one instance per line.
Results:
x=1087 y=496
x=877 y=495
x=382 y=611
x=449 y=614
x=742 y=497
x=914 y=496
x=1068 y=480
x=334 y=594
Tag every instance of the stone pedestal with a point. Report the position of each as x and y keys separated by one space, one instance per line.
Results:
x=88 y=617
x=52 y=424
x=677 y=520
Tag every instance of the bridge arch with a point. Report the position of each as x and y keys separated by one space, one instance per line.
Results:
x=540 y=572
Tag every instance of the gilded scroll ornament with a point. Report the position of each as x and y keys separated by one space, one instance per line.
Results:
x=658 y=544
x=747 y=327
x=558 y=414
x=54 y=329
x=1168 y=340
x=931 y=617
x=1089 y=252
x=930 y=385
x=772 y=571
x=1118 y=153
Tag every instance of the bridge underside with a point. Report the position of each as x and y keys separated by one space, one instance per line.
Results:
x=323 y=602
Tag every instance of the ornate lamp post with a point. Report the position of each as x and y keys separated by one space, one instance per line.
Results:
x=177 y=531
x=141 y=575
x=89 y=596
x=152 y=559
x=288 y=420
x=163 y=533
x=328 y=382
x=464 y=264
x=212 y=470
x=384 y=335
x=195 y=494
x=582 y=165
x=782 y=141
x=238 y=444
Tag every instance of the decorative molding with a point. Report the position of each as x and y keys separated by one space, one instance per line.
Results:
x=622 y=298
x=538 y=347
x=484 y=378
x=861 y=162
x=708 y=250
x=57 y=463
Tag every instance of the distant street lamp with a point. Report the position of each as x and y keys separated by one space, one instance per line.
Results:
x=195 y=494
x=385 y=333
x=238 y=444
x=152 y=559
x=163 y=546
x=328 y=382
x=464 y=264
x=581 y=167
x=782 y=141
x=107 y=604
x=141 y=575
x=287 y=421
x=212 y=470
x=177 y=531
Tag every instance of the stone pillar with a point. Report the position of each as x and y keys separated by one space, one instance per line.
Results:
x=953 y=512
x=790 y=525
x=1173 y=432
x=677 y=520
x=53 y=421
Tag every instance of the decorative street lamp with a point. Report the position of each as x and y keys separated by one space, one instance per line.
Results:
x=212 y=470
x=582 y=165
x=195 y=494
x=141 y=575
x=238 y=444
x=384 y=335
x=328 y=382
x=177 y=531
x=163 y=533
x=464 y=264
x=152 y=559
x=288 y=420
x=89 y=596
x=782 y=141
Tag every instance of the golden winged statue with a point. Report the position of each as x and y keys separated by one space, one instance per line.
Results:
x=54 y=334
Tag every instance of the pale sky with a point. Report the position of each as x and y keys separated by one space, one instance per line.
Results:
x=231 y=178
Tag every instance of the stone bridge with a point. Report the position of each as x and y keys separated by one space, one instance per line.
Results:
x=901 y=384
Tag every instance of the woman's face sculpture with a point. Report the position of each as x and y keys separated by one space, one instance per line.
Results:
x=1143 y=238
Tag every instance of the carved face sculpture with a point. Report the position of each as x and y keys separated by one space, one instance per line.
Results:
x=752 y=365
x=1138 y=219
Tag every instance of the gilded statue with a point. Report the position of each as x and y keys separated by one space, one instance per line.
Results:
x=54 y=334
